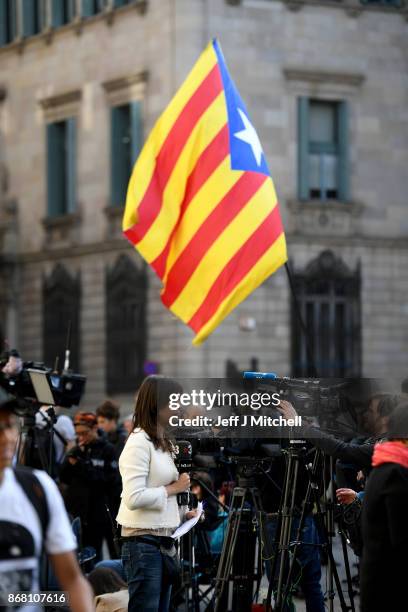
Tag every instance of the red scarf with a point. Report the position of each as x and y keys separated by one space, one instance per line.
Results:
x=390 y=452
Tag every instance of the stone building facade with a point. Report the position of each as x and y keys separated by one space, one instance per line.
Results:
x=326 y=85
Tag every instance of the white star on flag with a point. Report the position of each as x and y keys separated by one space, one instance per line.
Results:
x=250 y=136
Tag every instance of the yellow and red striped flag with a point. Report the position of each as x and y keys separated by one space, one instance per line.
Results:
x=201 y=207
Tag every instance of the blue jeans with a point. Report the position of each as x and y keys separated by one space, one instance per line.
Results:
x=143 y=567
x=308 y=556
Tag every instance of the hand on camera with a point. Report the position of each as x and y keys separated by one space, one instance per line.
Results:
x=180 y=485
x=346 y=496
x=287 y=409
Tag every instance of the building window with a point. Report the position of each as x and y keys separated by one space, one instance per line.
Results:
x=328 y=295
x=93 y=7
x=8 y=21
x=126 y=288
x=126 y=140
x=34 y=12
x=62 y=12
x=61 y=167
x=61 y=308
x=323 y=150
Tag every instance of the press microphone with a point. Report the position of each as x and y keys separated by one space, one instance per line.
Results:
x=184 y=463
x=184 y=455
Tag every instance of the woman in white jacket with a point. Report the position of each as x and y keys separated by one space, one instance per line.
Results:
x=148 y=512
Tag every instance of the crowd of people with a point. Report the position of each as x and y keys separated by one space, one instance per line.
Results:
x=119 y=483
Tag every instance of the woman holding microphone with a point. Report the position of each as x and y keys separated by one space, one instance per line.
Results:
x=148 y=512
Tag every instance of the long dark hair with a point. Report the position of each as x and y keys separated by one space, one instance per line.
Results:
x=105 y=580
x=154 y=394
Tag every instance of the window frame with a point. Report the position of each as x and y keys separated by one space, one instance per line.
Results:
x=61 y=202
x=306 y=147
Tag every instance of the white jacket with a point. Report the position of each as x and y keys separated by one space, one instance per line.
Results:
x=145 y=472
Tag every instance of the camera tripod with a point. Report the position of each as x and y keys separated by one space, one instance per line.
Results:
x=294 y=455
x=246 y=522
x=28 y=441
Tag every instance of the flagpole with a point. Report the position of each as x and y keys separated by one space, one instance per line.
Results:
x=309 y=353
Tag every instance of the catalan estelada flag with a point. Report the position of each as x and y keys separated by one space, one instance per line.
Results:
x=201 y=207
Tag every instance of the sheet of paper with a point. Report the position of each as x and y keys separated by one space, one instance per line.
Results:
x=187 y=525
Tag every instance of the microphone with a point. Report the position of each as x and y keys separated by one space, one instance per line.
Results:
x=184 y=456
x=184 y=463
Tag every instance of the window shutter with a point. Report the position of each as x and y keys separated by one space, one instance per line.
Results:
x=344 y=170
x=303 y=148
x=88 y=8
x=136 y=131
x=57 y=8
x=8 y=21
x=120 y=153
x=115 y=156
x=55 y=169
x=31 y=17
x=3 y=23
x=70 y=161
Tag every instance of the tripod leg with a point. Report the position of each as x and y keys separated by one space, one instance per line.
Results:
x=348 y=573
x=332 y=564
x=227 y=554
x=285 y=539
x=265 y=544
x=298 y=537
x=278 y=530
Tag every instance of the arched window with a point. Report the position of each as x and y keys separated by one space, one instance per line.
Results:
x=126 y=287
x=329 y=299
x=61 y=312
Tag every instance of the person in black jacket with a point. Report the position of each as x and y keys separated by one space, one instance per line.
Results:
x=385 y=522
x=380 y=407
x=90 y=471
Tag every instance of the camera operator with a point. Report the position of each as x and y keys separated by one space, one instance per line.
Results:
x=384 y=520
x=14 y=364
x=148 y=512
x=33 y=517
x=380 y=408
x=91 y=472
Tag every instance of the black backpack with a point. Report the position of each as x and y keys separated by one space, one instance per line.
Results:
x=35 y=493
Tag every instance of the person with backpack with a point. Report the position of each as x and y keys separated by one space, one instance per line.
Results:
x=33 y=520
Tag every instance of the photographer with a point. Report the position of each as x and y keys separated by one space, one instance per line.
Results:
x=149 y=512
x=91 y=474
x=32 y=517
x=379 y=409
x=385 y=526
